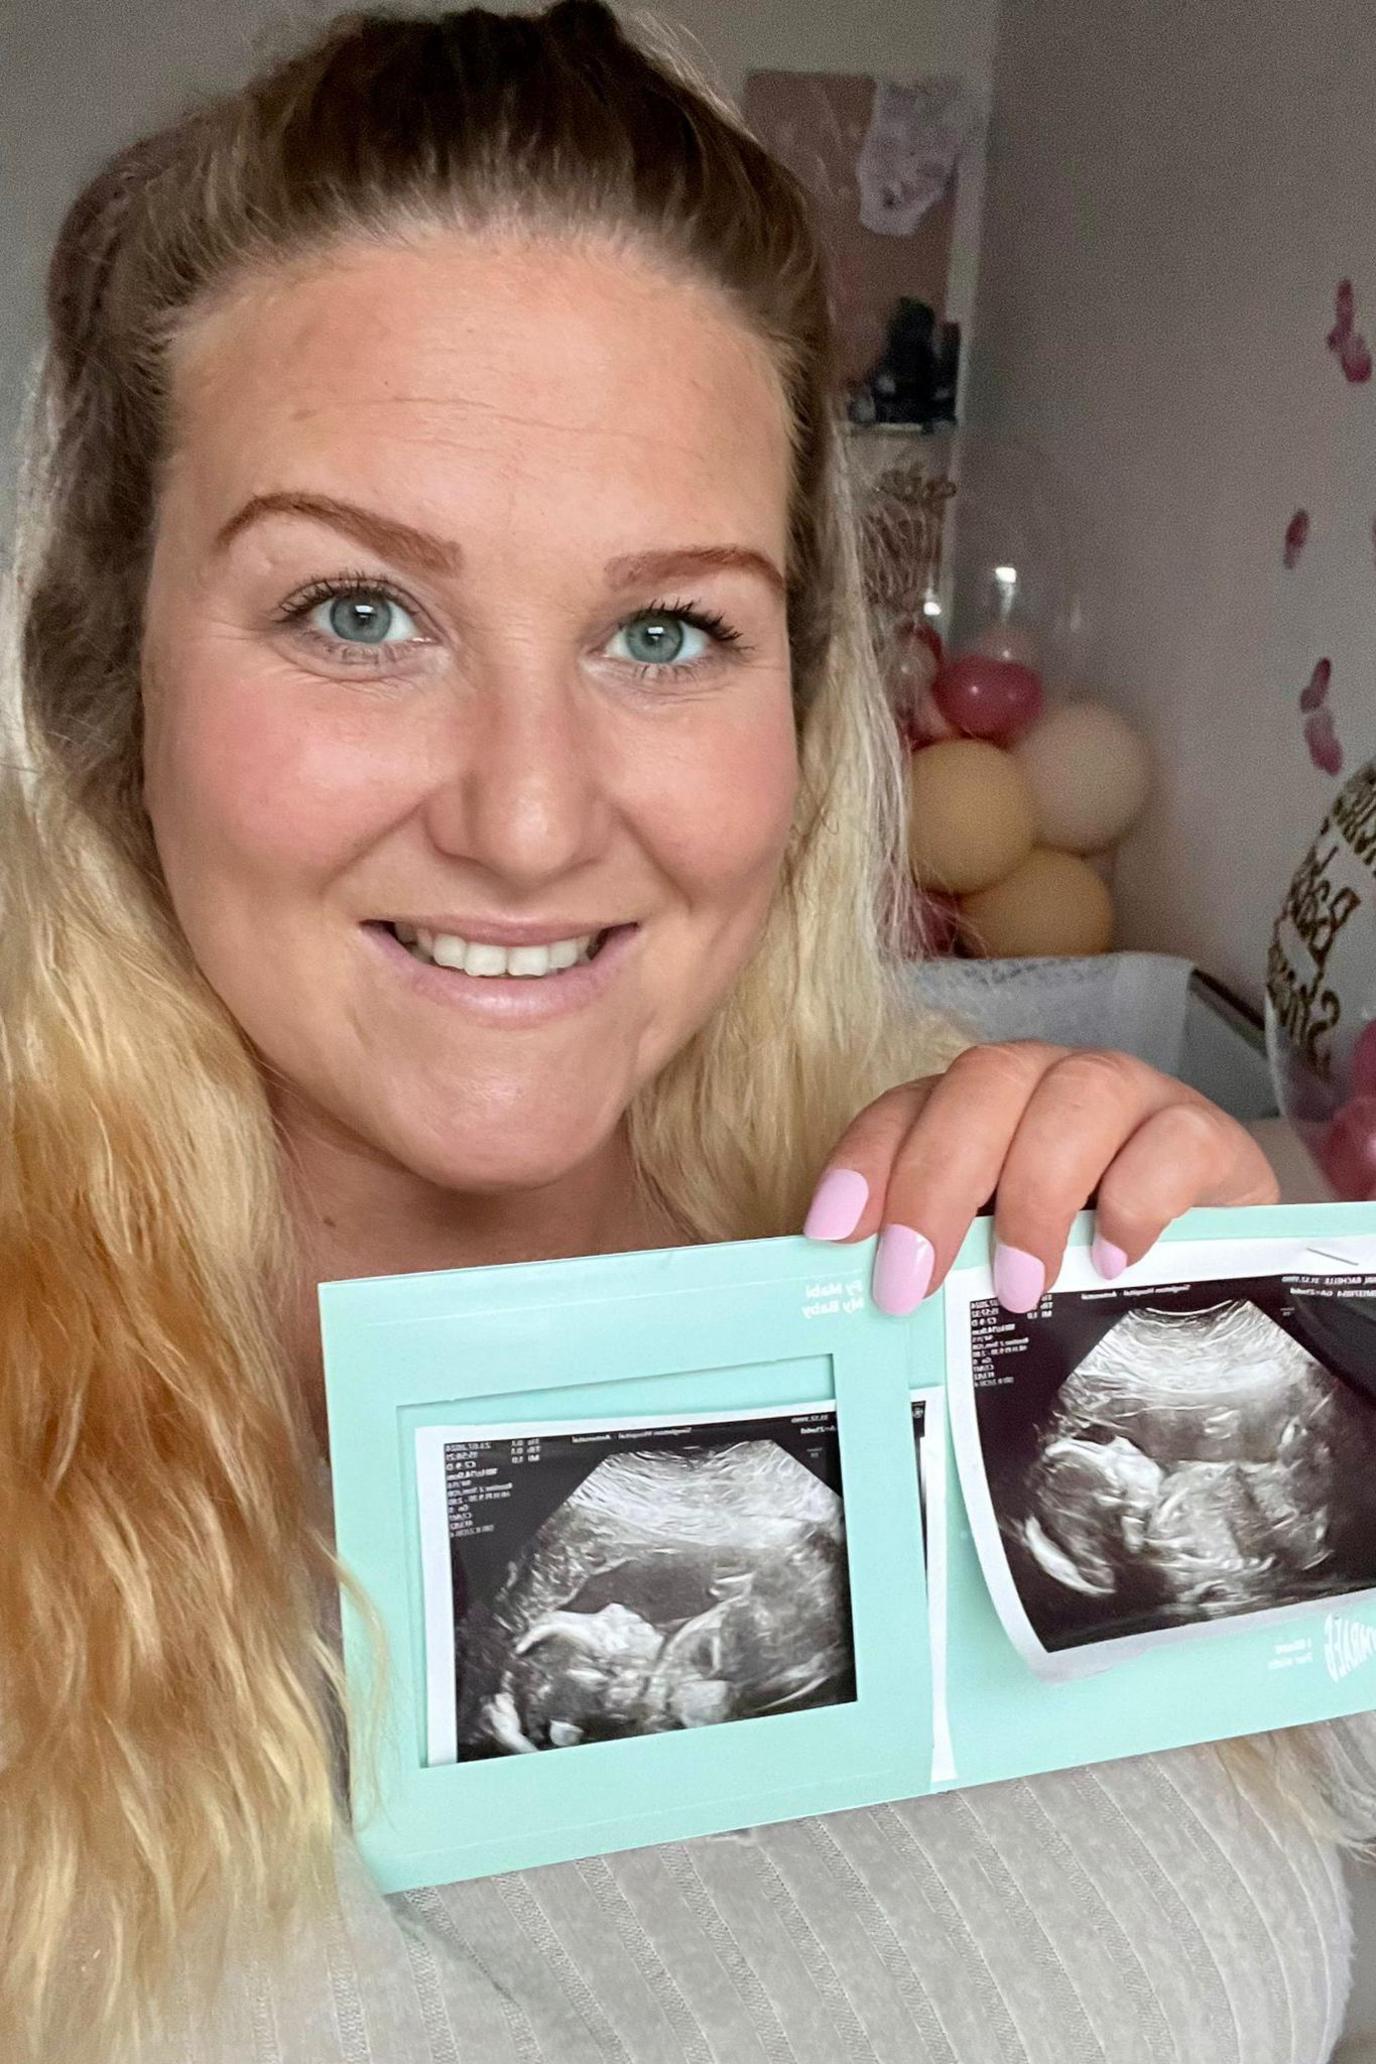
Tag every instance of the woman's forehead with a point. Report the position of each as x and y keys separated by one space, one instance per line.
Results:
x=543 y=363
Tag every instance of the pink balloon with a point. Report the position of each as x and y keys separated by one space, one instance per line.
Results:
x=1346 y=1149
x=988 y=698
x=1362 y=1077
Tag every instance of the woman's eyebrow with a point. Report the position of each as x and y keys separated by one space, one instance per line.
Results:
x=637 y=567
x=442 y=558
x=397 y=540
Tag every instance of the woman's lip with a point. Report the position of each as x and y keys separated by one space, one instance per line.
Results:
x=510 y=999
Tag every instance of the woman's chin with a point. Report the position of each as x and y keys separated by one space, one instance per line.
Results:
x=505 y=1159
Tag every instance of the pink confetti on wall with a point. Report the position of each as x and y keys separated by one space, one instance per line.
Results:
x=1296 y=537
x=1317 y=687
x=1319 y=734
x=1345 y=339
x=1322 y=741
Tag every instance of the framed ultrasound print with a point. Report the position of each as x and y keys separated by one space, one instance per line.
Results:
x=672 y=1543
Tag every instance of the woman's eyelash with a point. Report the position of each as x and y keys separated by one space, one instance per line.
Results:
x=294 y=613
x=707 y=620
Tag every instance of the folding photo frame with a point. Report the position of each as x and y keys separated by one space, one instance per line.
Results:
x=694 y=1335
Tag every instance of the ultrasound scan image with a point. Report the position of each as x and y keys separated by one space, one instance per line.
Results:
x=1197 y=1462
x=682 y=1583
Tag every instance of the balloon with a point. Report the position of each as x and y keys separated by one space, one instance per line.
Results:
x=1007 y=641
x=1346 y=1149
x=1053 y=903
x=1321 y=983
x=911 y=670
x=1013 y=546
x=988 y=698
x=1088 y=771
x=971 y=815
x=1362 y=1069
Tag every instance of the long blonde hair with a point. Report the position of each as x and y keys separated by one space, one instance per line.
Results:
x=170 y=1714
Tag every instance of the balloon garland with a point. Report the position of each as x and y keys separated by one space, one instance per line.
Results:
x=1014 y=808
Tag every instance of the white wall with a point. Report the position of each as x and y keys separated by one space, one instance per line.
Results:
x=1174 y=189
x=78 y=80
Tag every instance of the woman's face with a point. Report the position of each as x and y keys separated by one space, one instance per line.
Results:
x=510 y=674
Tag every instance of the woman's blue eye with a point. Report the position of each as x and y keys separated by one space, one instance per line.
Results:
x=357 y=624
x=362 y=616
x=662 y=639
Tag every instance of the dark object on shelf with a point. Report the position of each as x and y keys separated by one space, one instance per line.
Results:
x=915 y=380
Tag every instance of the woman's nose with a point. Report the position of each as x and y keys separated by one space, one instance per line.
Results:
x=522 y=792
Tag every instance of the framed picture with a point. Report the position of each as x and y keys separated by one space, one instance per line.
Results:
x=672 y=1543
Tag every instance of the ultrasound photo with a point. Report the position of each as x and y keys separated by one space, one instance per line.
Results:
x=617 y=1581
x=1178 y=1455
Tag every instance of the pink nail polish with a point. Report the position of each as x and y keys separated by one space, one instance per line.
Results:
x=835 y=1210
x=902 y=1269
x=1108 y=1260
x=1019 y=1278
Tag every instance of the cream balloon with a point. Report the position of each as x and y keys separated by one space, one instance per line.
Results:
x=971 y=815
x=1053 y=903
x=1088 y=772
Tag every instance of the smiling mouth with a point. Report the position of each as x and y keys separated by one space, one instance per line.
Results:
x=482 y=958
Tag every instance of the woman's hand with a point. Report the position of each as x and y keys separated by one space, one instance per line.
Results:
x=1040 y=1129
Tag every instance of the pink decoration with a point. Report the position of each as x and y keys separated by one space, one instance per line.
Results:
x=1345 y=339
x=1322 y=741
x=1346 y=1149
x=1296 y=537
x=988 y=698
x=1362 y=1067
x=1314 y=693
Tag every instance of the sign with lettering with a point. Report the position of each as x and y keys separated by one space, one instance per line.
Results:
x=1321 y=970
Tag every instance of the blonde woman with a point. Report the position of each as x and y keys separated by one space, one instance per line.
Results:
x=454 y=804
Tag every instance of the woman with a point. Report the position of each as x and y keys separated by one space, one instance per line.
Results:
x=457 y=803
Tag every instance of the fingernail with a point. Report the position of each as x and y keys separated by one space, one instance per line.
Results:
x=1108 y=1260
x=1019 y=1278
x=835 y=1210
x=902 y=1269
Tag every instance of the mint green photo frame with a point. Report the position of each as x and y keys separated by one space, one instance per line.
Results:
x=692 y=1331
x=683 y=1331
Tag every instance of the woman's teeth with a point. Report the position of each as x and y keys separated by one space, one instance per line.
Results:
x=480 y=958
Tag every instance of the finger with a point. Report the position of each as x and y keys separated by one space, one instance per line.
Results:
x=1186 y=1155
x=949 y=1165
x=848 y=1202
x=1084 y=1110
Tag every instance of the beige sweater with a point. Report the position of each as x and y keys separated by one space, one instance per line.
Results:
x=1139 y=1912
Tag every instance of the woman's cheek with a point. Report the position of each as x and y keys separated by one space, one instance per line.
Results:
x=725 y=807
x=277 y=785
